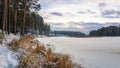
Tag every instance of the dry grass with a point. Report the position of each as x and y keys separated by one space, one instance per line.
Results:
x=30 y=60
x=14 y=45
x=64 y=61
x=22 y=42
x=36 y=55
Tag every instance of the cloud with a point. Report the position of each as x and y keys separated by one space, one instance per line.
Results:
x=86 y=12
x=102 y=6
x=80 y=15
x=49 y=1
x=109 y=10
x=87 y=26
x=56 y=13
x=91 y=12
x=79 y=10
x=112 y=23
x=111 y=13
x=58 y=24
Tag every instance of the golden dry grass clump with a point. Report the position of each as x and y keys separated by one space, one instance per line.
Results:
x=64 y=61
x=21 y=42
x=36 y=55
x=30 y=60
x=14 y=44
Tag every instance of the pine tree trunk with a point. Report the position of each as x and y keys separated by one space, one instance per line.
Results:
x=1 y=9
x=24 y=16
x=4 y=15
x=15 y=15
x=9 y=17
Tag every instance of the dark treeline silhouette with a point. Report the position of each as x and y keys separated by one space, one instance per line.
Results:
x=21 y=16
x=106 y=31
x=67 y=33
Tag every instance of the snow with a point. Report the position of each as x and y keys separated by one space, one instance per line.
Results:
x=97 y=52
x=9 y=38
x=8 y=59
x=101 y=52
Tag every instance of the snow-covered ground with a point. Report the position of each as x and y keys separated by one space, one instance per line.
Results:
x=101 y=52
x=8 y=59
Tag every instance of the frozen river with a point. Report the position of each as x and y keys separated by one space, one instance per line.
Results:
x=102 y=52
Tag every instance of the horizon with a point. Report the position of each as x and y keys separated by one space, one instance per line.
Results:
x=80 y=15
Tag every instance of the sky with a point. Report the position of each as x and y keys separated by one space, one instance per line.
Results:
x=80 y=15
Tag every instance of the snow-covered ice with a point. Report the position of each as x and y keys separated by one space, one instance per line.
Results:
x=99 y=52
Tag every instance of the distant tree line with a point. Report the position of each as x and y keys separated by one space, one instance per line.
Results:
x=106 y=31
x=67 y=33
x=21 y=16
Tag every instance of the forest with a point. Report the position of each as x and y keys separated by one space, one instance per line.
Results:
x=67 y=33
x=21 y=17
x=106 y=31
